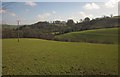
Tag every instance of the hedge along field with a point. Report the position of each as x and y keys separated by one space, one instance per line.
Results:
x=44 y=57
x=105 y=36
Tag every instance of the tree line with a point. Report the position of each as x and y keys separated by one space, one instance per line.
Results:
x=48 y=30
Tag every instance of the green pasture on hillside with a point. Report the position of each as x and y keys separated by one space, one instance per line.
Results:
x=45 y=57
x=107 y=36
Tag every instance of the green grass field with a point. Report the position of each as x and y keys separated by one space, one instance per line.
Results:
x=0 y=57
x=108 y=36
x=40 y=57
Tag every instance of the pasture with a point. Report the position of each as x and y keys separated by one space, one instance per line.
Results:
x=105 y=36
x=45 y=57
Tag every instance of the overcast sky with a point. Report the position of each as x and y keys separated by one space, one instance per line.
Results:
x=30 y=12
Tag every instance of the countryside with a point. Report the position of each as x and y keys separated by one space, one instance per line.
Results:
x=84 y=46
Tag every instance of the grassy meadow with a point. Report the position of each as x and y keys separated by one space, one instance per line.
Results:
x=0 y=57
x=45 y=57
x=106 y=35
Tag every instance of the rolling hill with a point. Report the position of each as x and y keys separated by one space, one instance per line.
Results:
x=106 y=35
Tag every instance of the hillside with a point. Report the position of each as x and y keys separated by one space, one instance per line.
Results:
x=45 y=57
x=107 y=35
x=106 y=22
x=47 y=30
x=9 y=26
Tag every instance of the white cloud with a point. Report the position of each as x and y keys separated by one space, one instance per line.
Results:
x=2 y=11
x=83 y=14
x=79 y=15
x=7 y=12
x=91 y=6
x=43 y=16
x=54 y=12
x=111 y=3
x=30 y=3
x=13 y=14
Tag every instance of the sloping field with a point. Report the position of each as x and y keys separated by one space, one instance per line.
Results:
x=107 y=36
x=0 y=57
x=40 y=57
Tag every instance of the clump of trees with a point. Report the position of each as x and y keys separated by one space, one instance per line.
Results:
x=47 y=30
